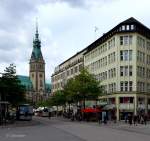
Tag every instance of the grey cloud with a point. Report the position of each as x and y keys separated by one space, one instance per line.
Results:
x=85 y=3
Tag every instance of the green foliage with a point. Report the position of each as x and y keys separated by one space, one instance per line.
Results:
x=80 y=88
x=58 y=99
x=83 y=87
x=10 y=87
x=44 y=103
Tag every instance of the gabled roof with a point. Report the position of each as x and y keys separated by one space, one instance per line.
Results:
x=132 y=21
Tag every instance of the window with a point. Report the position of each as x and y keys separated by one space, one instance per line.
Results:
x=130 y=70
x=121 y=99
x=80 y=67
x=121 y=55
x=71 y=71
x=126 y=85
x=130 y=85
x=130 y=55
x=127 y=27
x=126 y=71
x=126 y=40
x=131 y=99
x=76 y=69
x=125 y=55
x=130 y=40
x=132 y=27
x=67 y=72
x=148 y=45
x=121 y=70
x=121 y=86
x=121 y=40
x=123 y=27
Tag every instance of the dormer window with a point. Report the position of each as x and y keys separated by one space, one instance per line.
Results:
x=123 y=27
x=127 y=27
x=119 y=28
x=132 y=27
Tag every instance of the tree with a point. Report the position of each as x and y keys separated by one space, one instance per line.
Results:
x=10 y=87
x=83 y=87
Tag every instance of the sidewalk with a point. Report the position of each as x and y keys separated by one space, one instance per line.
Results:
x=120 y=125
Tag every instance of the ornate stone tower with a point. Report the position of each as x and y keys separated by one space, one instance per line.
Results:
x=37 y=67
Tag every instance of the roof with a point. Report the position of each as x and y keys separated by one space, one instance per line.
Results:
x=110 y=33
x=36 y=52
x=25 y=81
x=140 y=28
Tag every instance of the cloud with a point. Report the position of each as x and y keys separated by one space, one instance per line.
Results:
x=65 y=27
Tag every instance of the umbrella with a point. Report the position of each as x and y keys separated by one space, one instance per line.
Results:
x=90 y=110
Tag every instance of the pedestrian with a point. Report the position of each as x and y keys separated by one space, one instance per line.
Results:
x=49 y=114
x=145 y=119
x=105 y=119
x=142 y=119
x=130 y=119
x=99 y=117
x=126 y=118
x=135 y=120
x=115 y=119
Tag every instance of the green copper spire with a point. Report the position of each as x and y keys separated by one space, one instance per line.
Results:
x=36 y=52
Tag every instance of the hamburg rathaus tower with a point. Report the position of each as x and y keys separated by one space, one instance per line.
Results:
x=37 y=69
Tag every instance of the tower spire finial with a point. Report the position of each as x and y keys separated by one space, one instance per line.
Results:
x=36 y=34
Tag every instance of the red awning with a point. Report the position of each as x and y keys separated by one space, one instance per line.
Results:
x=91 y=110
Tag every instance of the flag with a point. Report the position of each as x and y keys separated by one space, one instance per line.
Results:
x=95 y=28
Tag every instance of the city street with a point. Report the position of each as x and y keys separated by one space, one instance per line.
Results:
x=58 y=129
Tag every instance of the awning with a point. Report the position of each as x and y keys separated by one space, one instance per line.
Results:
x=91 y=110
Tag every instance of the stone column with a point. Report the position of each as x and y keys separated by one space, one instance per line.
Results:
x=117 y=107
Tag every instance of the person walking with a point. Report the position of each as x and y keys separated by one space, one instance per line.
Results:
x=126 y=118
x=135 y=120
x=49 y=114
x=145 y=119
x=130 y=119
x=105 y=119
x=99 y=117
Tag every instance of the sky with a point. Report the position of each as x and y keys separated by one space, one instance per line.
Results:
x=65 y=27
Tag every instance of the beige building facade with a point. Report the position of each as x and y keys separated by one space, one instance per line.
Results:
x=120 y=60
x=67 y=70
